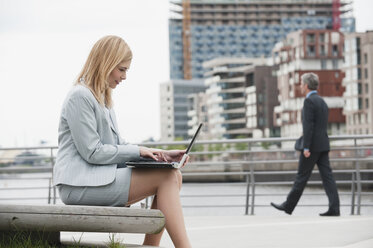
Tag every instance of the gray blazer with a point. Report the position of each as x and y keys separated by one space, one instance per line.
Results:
x=90 y=146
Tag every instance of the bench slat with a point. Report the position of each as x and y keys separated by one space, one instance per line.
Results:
x=80 y=210
x=53 y=218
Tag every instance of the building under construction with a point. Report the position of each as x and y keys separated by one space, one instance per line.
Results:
x=201 y=30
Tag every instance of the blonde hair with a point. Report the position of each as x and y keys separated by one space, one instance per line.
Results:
x=106 y=54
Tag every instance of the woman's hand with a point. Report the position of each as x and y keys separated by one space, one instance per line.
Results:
x=175 y=156
x=155 y=154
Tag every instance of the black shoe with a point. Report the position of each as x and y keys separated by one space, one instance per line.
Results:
x=330 y=213
x=281 y=207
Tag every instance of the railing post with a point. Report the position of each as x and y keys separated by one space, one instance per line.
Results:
x=247 y=194
x=353 y=194
x=54 y=187
x=49 y=190
x=252 y=182
x=358 y=178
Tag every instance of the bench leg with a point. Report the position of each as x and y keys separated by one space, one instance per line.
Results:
x=19 y=238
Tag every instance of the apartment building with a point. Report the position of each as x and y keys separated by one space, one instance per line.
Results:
x=197 y=113
x=358 y=82
x=261 y=98
x=226 y=96
x=318 y=51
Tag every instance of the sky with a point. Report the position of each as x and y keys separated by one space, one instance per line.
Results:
x=44 y=44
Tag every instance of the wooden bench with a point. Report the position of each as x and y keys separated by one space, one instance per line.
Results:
x=47 y=221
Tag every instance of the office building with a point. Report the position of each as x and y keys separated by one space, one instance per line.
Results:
x=174 y=107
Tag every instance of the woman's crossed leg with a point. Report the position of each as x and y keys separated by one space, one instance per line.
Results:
x=165 y=185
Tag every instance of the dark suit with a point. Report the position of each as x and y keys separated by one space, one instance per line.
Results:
x=315 y=138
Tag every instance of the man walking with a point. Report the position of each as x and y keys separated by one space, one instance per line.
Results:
x=314 y=147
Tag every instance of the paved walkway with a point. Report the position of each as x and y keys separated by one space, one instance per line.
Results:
x=259 y=231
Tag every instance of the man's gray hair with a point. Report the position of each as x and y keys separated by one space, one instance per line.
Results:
x=311 y=79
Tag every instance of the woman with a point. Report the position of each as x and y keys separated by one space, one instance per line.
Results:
x=90 y=167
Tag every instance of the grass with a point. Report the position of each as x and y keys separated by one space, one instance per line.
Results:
x=26 y=240
x=115 y=243
x=22 y=239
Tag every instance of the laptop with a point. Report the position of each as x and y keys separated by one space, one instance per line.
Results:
x=151 y=163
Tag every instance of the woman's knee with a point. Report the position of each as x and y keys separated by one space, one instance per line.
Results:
x=174 y=176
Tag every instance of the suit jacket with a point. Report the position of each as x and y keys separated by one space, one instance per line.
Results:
x=90 y=146
x=315 y=124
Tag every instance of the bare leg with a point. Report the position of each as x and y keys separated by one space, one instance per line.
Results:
x=153 y=238
x=165 y=184
x=156 y=238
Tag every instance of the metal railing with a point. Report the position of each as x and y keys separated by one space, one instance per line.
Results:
x=257 y=163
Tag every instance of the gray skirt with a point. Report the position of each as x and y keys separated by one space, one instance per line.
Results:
x=114 y=194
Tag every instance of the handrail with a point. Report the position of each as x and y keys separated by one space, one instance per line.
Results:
x=219 y=141
x=251 y=162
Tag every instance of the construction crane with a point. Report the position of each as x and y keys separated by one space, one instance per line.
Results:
x=186 y=40
x=336 y=14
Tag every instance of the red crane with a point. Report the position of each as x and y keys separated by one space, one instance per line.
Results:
x=336 y=14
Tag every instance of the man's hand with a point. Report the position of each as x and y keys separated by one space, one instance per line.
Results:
x=306 y=153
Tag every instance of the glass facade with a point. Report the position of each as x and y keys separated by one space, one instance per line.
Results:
x=229 y=40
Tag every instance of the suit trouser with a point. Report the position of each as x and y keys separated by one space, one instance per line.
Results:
x=305 y=168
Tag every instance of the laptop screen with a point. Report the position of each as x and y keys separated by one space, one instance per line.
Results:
x=194 y=138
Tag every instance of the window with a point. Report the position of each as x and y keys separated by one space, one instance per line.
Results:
x=335 y=64
x=311 y=38
x=311 y=12
x=366 y=103
x=366 y=88
x=322 y=38
x=366 y=73
x=323 y=64
x=350 y=120
x=261 y=121
x=358 y=57
x=358 y=43
x=360 y=103
x=335 y=50
x=365 y=58
x=311 y=51
x=260 y=98
x=322 y=50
